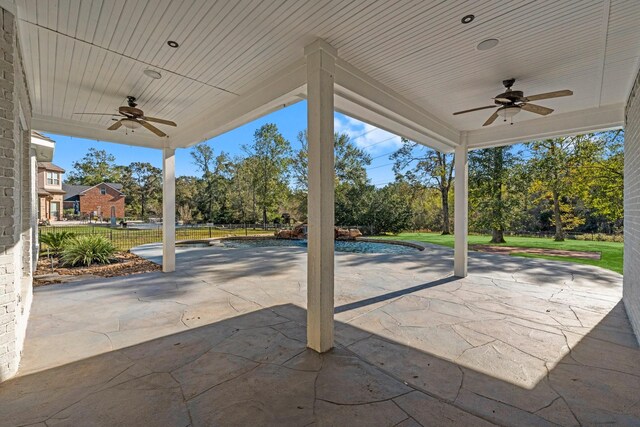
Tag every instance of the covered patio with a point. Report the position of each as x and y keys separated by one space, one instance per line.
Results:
x=301 y=337
x=224 y=343
x=408 y=83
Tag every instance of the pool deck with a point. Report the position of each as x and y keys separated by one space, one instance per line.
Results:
x=222 y=342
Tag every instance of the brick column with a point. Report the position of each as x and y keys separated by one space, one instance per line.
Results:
x=16 y=233
x=631 y=280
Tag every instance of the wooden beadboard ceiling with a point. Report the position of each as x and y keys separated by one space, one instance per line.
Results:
x=87 y=56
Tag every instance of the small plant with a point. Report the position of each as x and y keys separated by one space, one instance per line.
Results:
x=55 y=240
x=87 y=250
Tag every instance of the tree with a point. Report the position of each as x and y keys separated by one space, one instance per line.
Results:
x=554 y=164
x=600 y=179
x=351 y=177
x=216 y=176
x=186 y=195
x=270 y=152
x=418 y=164
x=95 y=167
x=391 y=208
x=490 y=176
x=203 y=157
x=349 y=163
x=426 y=211
x=142 y=184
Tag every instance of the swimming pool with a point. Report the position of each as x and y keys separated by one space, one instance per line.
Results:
x=366 y=247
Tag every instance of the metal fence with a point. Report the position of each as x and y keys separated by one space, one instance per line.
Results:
x=125 y=238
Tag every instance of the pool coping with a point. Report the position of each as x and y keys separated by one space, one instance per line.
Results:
x=357 y=239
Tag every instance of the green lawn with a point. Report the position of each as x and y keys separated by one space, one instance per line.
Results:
x=610 y=252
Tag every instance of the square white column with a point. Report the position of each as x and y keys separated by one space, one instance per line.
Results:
x=168 y=210
x=320 y=257
x=461 y=214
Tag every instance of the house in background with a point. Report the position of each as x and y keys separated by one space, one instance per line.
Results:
x=48 y=179
x=104 y=200
x=50 y=192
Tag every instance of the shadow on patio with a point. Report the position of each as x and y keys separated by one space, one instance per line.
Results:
x=253 y=369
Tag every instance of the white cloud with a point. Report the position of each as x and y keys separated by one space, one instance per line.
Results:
x=366 y=136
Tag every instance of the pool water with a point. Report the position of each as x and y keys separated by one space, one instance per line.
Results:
x=340 y=246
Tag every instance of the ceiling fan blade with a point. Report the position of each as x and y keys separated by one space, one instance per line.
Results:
x=473 y=109
x=97 y=114
x=115 y=126
x=492 y=118
x=152 y=128
x=549 y=95
x=161 y=121
x=538 y=109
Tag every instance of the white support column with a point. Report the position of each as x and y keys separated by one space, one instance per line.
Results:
x=320 y=265
x=168 y=210
x=461 y=223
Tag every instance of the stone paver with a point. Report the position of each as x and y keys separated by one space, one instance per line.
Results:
x=222 y=342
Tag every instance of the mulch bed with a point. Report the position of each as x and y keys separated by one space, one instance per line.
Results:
x=508 y=250
x=123 y=264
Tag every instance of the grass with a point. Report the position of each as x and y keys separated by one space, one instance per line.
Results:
x=611 y=253
x=127 y=238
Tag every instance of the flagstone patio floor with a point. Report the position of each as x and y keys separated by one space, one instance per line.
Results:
x=222 y=342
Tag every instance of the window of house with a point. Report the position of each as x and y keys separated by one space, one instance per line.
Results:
x=53 y=178
x=103 y=191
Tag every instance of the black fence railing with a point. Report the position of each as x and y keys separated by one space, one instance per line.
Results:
x=125 y=238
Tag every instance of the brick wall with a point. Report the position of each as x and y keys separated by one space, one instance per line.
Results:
x=16 y=232
x=631 y=290
x=93 y=201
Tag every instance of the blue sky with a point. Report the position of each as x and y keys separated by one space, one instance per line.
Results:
x=291 y=120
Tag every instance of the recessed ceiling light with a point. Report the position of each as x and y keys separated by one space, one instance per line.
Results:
x=152 y=73
x=467 y=19
x=173 y=44
x=487 y=44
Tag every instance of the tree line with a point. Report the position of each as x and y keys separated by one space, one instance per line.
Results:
x=551 y=186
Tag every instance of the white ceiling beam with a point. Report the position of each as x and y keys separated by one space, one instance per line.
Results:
x=90 y=131
x=278 y=91
x=351 y=106
x=390 y=105
x=553 y=126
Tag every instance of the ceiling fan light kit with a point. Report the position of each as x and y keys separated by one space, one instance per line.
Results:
x=508 y=112
x=130 y=124
x=511 y=102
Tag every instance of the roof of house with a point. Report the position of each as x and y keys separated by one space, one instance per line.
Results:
x=75 y=190
x=50 y=167
x=41 y=136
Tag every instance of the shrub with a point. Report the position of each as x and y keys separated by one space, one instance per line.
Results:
x=87 y=250
x=55 y=240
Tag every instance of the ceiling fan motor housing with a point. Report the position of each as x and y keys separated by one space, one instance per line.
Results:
x=509 y=97
x=131 y=111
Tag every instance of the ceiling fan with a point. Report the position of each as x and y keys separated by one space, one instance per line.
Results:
x=510 y=102
x=132 y=118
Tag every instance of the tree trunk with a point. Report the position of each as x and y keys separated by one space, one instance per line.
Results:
x=497 y=236
x=446 y=229
x=497 y=233
x=264 y=217
x=255 y=212
x=559 y=237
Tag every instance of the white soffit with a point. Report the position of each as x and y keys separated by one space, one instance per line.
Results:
x=87 y=56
